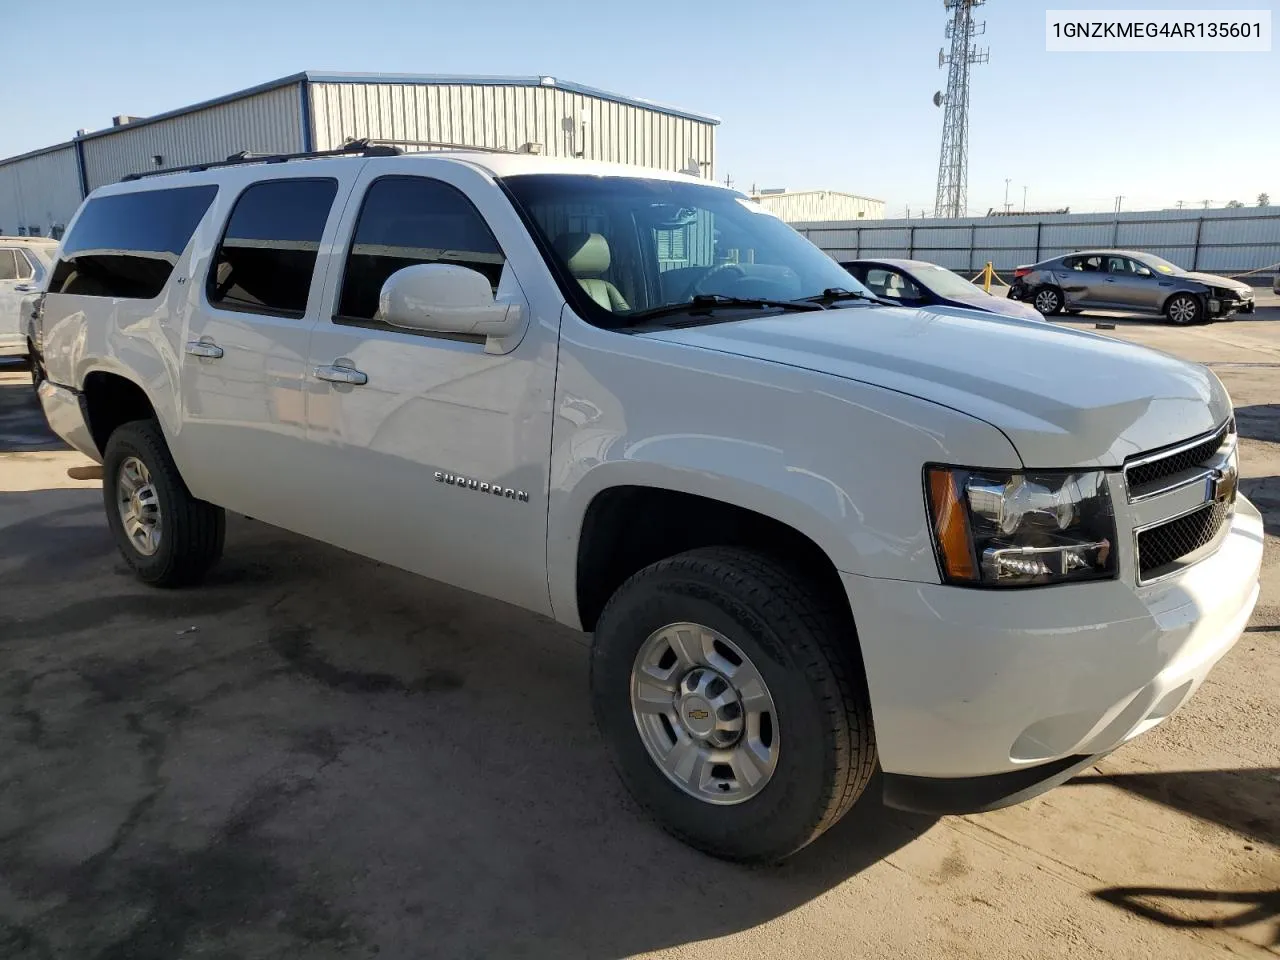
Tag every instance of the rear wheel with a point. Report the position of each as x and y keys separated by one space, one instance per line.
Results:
x=165 y=534
x=1048 y=300
x=1183 y=309
x=733 y=700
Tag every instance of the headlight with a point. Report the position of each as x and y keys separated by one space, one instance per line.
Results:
x=993 y=528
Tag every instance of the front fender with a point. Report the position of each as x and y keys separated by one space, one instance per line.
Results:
x=836 y=460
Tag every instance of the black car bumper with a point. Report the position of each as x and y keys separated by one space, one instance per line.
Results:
x=942 y=796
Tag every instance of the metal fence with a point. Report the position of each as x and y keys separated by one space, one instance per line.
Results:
x=1222 y=241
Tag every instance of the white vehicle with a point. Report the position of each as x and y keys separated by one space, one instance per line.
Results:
x=24 y=264
x=810 y=533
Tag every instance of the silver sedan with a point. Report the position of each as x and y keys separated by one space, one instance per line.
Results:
x=1129 y=280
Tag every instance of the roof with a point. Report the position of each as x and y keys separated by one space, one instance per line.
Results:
x=311 y=76
x=31 y=241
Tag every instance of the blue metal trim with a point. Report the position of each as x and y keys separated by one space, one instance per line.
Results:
x=80 y=168
x=308 y=136
x=501 y=81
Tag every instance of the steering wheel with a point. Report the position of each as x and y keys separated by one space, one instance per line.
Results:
x=724 y=270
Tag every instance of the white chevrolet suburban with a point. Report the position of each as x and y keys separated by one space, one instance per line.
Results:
x=811 y=533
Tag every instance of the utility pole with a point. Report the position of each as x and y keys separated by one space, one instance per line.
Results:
x=1179 y=204
x=728 y=181
x=952 y=198
x=1007 y=181
x=1206 y=203
x=1024 y=198
x=1119 y=200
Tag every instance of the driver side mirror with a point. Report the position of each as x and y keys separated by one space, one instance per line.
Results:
x=446 y=298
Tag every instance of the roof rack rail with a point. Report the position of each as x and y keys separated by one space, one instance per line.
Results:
x=364 y=148
x=442 y=145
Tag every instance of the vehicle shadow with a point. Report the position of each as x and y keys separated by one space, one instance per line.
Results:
x=1256 y=907
x=317 y=755
x=1246 y=801
x=1264 y=493
x=1259 y=421
x=22 y=424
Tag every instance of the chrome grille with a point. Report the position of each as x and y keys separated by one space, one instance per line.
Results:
x=1146 y=472
x=1159 y=547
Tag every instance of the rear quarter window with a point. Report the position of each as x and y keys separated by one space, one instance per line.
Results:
x=127 y=245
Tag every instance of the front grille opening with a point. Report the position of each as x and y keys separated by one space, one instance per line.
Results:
x=1162 y=549
x=1145 y=475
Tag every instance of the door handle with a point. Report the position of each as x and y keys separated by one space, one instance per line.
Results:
x=342 y=371
x=204 y=349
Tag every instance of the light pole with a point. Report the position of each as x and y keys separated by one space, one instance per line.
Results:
x=1024 y=198
x=1007 y=181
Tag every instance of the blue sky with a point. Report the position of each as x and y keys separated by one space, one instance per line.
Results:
x=812 y=93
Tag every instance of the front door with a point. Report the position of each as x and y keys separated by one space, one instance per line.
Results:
x=1132 y=284
x=244 y=349
x=434 y=455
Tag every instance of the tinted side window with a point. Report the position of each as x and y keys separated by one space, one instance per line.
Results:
x=126 y=245
x=408 y=220
x=268 y=252
x=8 y=265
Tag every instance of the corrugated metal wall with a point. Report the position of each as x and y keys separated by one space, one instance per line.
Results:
x=40 y=191
x=269 y=122
x=507 y=117
x=821 y=205
x=1220 y=241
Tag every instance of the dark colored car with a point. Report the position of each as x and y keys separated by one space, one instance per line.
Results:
x=915 y=283
x=1128 y=280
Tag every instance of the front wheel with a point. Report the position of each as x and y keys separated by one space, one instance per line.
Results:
x=733 y=699
x=1048 y=300
x=1183 y=309
x=165 y=534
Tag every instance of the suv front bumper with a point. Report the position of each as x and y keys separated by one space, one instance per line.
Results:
x=983 y=698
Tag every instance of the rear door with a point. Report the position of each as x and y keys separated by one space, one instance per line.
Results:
x=244 y=348
x=1082 y=280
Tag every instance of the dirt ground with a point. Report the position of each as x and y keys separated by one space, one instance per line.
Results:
x=315 y=756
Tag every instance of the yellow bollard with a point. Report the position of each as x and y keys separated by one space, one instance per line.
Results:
x=986 y=277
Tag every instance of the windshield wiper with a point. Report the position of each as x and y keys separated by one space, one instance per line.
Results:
x=704 y=304
x=833 y=294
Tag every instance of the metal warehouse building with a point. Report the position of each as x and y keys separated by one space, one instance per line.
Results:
x=810 y=206
x=40 y=190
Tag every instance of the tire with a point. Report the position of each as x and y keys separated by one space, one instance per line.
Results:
x=37 y=372
x=804 y=650
x=190 y=531
x=1184 y=309
x=1048 y=300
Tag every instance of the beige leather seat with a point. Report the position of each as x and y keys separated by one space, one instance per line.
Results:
x=587 y=257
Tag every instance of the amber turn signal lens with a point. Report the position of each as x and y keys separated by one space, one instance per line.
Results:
x=950 y=525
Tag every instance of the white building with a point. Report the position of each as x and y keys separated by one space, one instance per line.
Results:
x=819 y=205
x=40 y=190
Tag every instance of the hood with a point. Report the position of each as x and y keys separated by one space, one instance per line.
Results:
x=1213 y=280
x=1063 y=397
x=1001 y=305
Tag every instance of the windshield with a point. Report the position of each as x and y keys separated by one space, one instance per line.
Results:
x=625 y=246
x=943 y=282
x=1160 y=265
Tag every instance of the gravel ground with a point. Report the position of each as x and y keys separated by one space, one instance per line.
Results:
x=317 y=756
